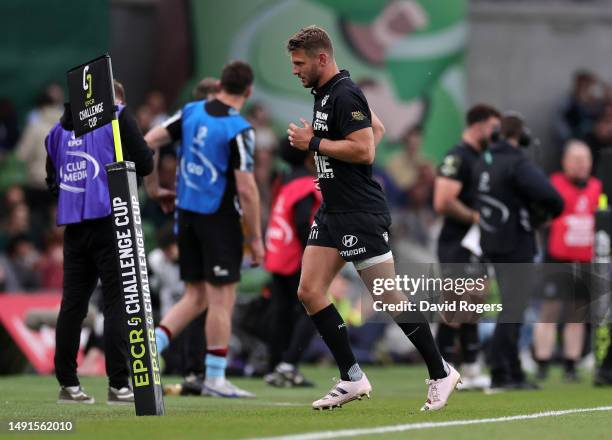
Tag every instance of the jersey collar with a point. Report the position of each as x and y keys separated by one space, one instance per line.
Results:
x=325 y=88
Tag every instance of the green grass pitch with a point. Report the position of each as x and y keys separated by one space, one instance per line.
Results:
x=398 y=393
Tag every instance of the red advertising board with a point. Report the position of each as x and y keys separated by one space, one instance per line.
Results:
x=37 y=345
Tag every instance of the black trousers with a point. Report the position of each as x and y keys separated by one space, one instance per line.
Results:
x=291 y=328
x=514 y=282
x=89 y=254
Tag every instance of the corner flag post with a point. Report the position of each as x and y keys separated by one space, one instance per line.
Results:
x=92 y=99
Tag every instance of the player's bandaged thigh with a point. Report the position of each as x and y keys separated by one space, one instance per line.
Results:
x=374 y=272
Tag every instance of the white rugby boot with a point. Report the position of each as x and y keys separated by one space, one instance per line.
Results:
x=344 y=391
x=221 y=387
x=472 y=378
x=440 y=390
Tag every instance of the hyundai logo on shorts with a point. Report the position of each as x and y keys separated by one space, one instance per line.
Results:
x=349 y=241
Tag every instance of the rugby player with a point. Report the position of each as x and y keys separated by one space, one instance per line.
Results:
x=353 y=222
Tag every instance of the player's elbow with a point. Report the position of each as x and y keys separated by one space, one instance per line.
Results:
x=367 y=155
x=439 y=205
x=379 y=129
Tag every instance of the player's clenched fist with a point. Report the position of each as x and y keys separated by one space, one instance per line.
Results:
x=299 y=137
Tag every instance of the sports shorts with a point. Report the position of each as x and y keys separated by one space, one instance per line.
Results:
x=357 y=236
x=210 y=247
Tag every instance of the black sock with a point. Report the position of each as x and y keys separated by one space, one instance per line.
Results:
x=415 y=326
x=301 y=337
x=445 y=338
x=543 y=364
x=570 y=365
x=332 y=329
x=470 y=343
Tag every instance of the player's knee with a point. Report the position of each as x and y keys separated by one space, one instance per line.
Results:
x=306 y=293
x=196 y=297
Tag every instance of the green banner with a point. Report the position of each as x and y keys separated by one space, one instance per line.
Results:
x=408 y=55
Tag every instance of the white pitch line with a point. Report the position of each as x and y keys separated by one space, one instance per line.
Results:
x=427 y=425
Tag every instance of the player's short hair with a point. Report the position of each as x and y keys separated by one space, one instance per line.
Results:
x=236 y=77
x=480 y=113
x=205 y=87
x=119 y=91
x=311 y=39
x=512 y=126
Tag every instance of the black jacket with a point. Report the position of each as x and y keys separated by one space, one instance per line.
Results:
x=514 y=197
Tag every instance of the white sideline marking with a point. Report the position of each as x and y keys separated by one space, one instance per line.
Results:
x=426 y=425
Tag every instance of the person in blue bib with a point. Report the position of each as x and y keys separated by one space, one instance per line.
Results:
x=76 y=174
x=215 y=188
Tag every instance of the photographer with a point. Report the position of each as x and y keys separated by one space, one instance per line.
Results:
x=514 y=196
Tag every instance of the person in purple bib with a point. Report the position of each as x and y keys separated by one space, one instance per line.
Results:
x=76 y=174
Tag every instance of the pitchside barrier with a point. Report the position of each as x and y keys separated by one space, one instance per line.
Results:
x=92 y=99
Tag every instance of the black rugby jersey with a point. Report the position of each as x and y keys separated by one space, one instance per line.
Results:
x=458 y=165
x=340 y=108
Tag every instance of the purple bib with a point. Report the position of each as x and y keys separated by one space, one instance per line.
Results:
x=80 y=172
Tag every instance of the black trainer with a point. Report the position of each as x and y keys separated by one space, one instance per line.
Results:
x=120 y=396
x=286 y=376
x=603 y=378
x=192 y=385
x=75 y=394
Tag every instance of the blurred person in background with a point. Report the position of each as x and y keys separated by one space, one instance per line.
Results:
x=29 y=149
x=185 y=353
x=9 y=129
x=570 y=243
x=156 y=101
x=514 y=197
x=89 y=248
x=166 y=161
x=454 y=198
x=411 y=171
x=17 y=222
x=414 y=176
x=144 y=118
x=293 y=208
x=14 y=195
x=216 y=189
x=207 y=88
x=266 y=145
x=51 y=262
x=53 y=94
x=19 y=265
x=581 y=109
x=600 y=142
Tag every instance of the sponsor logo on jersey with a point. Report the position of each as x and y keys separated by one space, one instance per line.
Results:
x=324 y=100
x=386 y=236
x=353 y=252
x=324 y=169
x=349 y=241
x=450 y=166
x=357 y=116
x=74 y=142
x=314 y=232
x=320 y=122
x=220 y=272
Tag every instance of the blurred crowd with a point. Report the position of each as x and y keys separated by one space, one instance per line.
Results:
x=31 y=245
x=586 y=114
